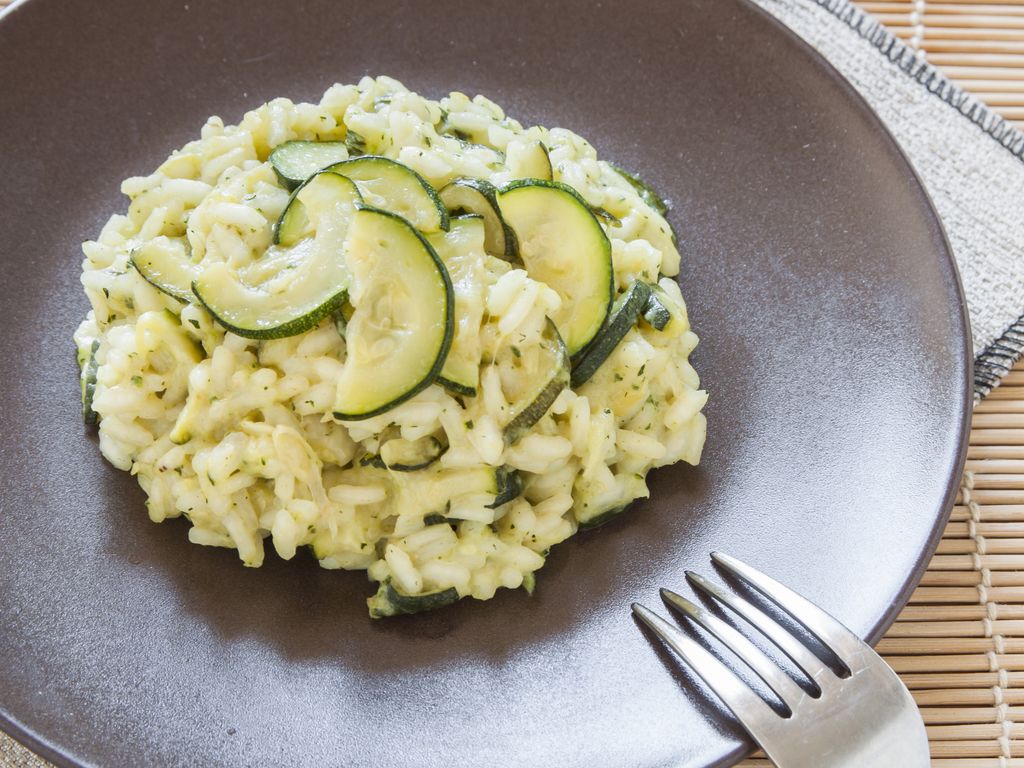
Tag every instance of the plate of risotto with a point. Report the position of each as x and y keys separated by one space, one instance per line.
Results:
x=413 y=346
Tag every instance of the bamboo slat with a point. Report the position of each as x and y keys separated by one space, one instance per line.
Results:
x=979 y=43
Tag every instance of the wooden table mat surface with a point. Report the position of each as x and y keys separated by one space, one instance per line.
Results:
x=959 y=644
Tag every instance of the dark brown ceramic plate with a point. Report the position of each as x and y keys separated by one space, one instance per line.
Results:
x=834 y=346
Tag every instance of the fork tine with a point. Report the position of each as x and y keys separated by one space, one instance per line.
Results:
x=750 y=709
x=783 y=685
x=812 y=666
x=841 y=641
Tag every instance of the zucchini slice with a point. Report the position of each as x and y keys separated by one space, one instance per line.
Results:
x=646 y=192
x=666 y=312
x=324 y=202
x=541 y=379
x=624 y=314
x=529 y=160
x=355 y=143
x=595 y=507
x=295 y=161
x=657 y=313
x=461 y=250
x=649 y=196
x=390 y=186
x=401 y=455
x=510 y=486
x=480 y=197
x=401 y=330
x=609 y=218
x=292 y=288
x=390 y=602
x=562 y=244
x=435 y=487
x=90 y=368
x=165 y=263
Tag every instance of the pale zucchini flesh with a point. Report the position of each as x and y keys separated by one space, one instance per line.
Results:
x=461 y=249
x=165 y=263
x=324 y=202
x=562 y=244
x=401 y=330
x=390 y=602
x=624 y=314
x=295 y=286
x=295 y=161
x=391 y=186
x=476 y=196
x=89 y=369
x=657 y=313
x=542 y=378
x=529 y=160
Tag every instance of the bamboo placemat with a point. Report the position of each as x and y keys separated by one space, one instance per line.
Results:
x=959 y=644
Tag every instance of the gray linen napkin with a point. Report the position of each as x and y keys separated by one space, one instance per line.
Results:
x=970 y=160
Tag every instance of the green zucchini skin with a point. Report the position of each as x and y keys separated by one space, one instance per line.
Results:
x=432 y=451
x=605 y=517
x=355 y=143
x=534 y=162
x=625 y=311
x=535 y=208
x=649 y=196
x=390 y=602
x=248 y=312
x=510 y=486
x=295 y=161
x=290 y=328
x=529 y=413
x=461 y=371
x=454 y=386
x=90 y=369
x=646 y=192
x=480 y=197
x=449 y=323
x=355 y=169
x=656 y=313
x=606 y=216
x=288 y=229
x=148 y=265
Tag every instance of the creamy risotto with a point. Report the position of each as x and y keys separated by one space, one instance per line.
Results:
x=414 y=336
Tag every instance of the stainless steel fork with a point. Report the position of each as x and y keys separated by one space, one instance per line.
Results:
x=862 y=719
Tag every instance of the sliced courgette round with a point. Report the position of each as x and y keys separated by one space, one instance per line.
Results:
x=295 y=161
x=461 y=250
x=401 y=455
x=324 y=204
x=390 y=186
x=649 y=196
x=657 y=313
x=466 y=195
x=529 y=160
x=541 y=378
x=594 y=506
x=510 y=486
x=166 y=264
x=292 y=288
x=390 y=602
x=606 y=216
x=90 y=368
x=401 y=330
x=624 y=314
x=562 y=244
